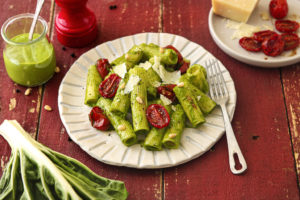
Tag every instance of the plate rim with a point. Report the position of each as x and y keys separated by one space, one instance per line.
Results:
x=131 y=165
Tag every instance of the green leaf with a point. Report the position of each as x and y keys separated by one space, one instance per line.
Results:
x=34 y=171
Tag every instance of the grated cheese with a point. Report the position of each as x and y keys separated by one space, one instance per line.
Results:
x=242 y=29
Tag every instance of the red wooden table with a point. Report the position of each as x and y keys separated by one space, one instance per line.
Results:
x=266 y=120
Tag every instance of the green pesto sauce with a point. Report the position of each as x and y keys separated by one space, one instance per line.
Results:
x=29 y=65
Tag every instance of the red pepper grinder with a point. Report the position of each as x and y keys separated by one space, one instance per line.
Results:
x=75 y=24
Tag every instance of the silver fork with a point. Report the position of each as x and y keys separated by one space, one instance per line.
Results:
x=219 y=93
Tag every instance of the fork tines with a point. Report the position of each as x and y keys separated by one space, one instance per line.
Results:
x=215 y=79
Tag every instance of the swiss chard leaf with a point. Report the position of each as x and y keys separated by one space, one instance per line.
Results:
x=34 y=171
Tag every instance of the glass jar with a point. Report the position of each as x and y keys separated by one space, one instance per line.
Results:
x=27 y=62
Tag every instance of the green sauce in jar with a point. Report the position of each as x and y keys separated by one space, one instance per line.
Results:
x=28 y=62
x=32 y=64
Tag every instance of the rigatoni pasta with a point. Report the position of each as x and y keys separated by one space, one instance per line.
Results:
x=92 y=85
x=153 y=140
x=121 y=102
x=138 y=99
x=120 y=124
x=173 y=134
x=134 y=105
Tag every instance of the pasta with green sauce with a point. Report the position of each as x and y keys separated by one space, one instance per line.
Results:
x=141 y=106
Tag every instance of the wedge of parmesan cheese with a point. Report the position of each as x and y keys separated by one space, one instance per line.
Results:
x=238 y=10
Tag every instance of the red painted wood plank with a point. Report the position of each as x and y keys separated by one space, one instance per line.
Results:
x=26 y=110
x=260 y=112
x=291 y=85
x=127 y=19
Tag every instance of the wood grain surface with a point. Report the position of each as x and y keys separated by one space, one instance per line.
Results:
x=260 y=112
x=266 y=121
x=291 y=86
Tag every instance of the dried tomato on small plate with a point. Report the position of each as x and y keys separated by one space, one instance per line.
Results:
x=291 y=41
x=263 y=35
x=274 y=46
x=250 y=44
x=286 y=26
x=278 y=8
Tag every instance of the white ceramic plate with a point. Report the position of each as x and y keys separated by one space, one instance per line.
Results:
x=106 y=146
x=222 y=37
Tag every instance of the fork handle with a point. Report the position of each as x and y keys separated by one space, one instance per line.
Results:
x=233 y=147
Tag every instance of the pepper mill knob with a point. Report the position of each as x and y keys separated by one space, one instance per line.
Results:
x=75 y=24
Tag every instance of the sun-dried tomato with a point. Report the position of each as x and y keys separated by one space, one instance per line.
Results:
x=250 y=44
x=291 y=41
x=286 y=26
x=98 y=119
x=263 y=35
x=158 y=116
x=103 y=67
x=278 y=8
x=184 y=67
x=109 y=86
x=274 y=46
x=167 y=91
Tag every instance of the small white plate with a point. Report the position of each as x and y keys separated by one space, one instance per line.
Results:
x=106 y=146
x=222 y=36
